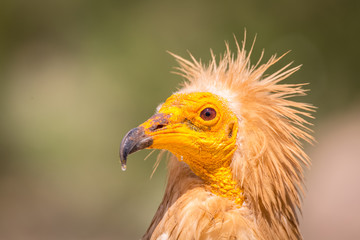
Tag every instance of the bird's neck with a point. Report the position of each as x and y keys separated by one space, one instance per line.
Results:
x=222 y=184
x=220 y=180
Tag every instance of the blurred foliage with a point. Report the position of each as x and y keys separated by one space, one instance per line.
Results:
x=76 y=75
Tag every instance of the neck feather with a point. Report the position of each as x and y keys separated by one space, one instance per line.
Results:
x=220 y=179
x=222 y=184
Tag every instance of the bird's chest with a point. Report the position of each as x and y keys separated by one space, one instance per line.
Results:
x=199 y=214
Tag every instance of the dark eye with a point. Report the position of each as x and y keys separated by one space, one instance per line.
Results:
x=208 y=114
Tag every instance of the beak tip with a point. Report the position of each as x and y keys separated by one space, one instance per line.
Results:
x=123 y=167
x=123 y=162
x=123 y=157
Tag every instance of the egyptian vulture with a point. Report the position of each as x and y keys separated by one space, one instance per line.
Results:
x=236 y=165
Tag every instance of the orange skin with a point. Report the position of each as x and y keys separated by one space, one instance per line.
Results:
x=207 y=146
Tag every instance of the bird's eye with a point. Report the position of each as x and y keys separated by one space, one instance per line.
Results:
x=208 y=114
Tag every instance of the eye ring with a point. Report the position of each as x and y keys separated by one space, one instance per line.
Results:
x=208 y=114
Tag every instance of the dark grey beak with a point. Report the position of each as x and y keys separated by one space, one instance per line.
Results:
x=134 y=140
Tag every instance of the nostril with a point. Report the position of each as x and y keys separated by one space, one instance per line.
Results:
x=158 y=121
x=156 y=127
x=159 y=126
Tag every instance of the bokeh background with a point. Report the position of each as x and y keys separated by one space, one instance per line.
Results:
x=76 y=75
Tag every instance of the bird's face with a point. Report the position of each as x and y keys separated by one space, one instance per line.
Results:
x=198 y=128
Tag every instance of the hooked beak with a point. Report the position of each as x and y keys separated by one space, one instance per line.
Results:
x=136 y=139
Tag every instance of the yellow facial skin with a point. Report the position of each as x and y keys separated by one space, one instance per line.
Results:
x=207 y=146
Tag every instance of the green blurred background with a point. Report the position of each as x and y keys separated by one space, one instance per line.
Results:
x=76 y=75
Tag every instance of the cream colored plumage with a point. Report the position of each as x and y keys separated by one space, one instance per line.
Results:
x=266 y=161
